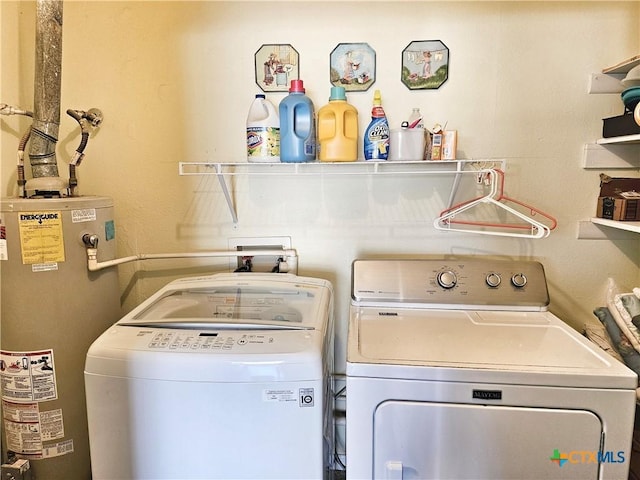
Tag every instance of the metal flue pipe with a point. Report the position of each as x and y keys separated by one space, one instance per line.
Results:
x=47 y=87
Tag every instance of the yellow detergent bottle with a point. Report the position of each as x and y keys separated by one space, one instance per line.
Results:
x=338 y=129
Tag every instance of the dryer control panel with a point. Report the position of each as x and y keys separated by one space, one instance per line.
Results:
x=456 y=282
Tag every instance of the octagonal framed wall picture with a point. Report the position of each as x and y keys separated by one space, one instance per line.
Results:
x=275 y=66
x=425 y=64
x=352 y=66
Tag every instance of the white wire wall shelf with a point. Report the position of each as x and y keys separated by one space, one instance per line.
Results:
x=426 y=167
x=223 y=170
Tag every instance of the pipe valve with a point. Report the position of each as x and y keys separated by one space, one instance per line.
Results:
x=10 y=110
x=91 y=117
x=94 y=116
x=90 y=240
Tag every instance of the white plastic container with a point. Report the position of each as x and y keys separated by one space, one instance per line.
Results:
x=263 y=131
x=407 y=144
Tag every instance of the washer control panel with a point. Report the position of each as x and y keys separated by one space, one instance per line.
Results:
x=183 y=341
x=459 y=282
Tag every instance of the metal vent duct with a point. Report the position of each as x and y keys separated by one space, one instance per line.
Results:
x=47 y=87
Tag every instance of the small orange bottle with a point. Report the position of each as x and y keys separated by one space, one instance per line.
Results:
x=338 y=129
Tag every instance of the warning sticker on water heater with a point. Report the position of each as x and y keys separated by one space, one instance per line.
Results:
x=27 y=428
x=41 y=238
x=27 y=376
x=83 y=215
x=3 y=241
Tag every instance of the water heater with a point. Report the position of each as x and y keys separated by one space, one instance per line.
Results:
x=52 y=309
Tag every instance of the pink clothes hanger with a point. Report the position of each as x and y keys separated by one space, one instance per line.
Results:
x=498 y=198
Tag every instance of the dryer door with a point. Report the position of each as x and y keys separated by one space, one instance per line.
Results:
x=439 y=441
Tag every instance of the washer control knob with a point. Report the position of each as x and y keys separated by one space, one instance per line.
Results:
x=493 y=280
x=447 y=279
x=518 y=280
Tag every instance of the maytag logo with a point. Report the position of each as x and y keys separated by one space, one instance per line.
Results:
x=487 y=394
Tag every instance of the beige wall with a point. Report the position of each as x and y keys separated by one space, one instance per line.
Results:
x=175 y=80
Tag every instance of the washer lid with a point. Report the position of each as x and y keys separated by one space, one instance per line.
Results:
x=236 y=302
x=493 y=346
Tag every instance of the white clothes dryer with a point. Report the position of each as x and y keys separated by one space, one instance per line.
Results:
x=456 y=370
x=217 y=377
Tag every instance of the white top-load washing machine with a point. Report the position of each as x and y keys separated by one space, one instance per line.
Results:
x=217 y=377
x=456 y=370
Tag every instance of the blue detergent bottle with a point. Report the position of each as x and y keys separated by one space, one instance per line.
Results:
x=376 y=137
x=297 y=126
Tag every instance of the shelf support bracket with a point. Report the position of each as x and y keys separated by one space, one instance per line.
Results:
x=611 y=156
x=605 y=83
x=588 y=230
x=227 y=195
x=455 y=185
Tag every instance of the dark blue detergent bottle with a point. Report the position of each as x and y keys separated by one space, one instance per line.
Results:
x=297 y=126
x=376 y=137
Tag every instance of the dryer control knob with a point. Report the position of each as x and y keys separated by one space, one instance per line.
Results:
x=518 y=280
x=447 y=279
x=493 y=280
